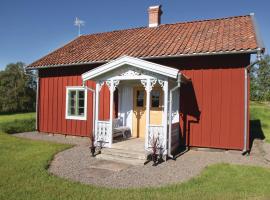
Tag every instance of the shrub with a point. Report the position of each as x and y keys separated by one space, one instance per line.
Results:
x=18 y=126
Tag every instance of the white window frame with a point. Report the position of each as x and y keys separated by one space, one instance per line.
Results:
x=68 y=88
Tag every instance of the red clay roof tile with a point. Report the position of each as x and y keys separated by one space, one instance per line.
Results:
x=206 y=36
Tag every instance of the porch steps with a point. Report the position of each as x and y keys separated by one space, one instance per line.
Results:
x=123 y=156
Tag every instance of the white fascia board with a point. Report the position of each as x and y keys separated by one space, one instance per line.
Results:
x=136 y=62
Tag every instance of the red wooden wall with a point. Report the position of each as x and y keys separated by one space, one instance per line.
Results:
x=212 y=108
x=52 y=103
x=212 y=105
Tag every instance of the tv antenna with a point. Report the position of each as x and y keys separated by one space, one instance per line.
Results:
x=79 y=23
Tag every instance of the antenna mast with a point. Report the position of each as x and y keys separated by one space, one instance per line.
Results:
x=79 y=23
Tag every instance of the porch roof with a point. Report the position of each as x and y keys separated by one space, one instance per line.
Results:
x=135 y=62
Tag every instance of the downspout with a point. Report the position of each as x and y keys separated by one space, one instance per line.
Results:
x=246 y=98
x=94 y=104
x=245 y=112
x=170 y=115
x=37 y=94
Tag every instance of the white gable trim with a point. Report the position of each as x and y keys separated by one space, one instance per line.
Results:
x=135 y=62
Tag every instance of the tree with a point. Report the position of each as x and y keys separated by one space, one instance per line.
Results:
x=260 y=80
x=17 y=89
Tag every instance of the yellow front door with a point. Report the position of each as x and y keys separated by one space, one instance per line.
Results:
x=139 y=109
x=139 y=115
x=156 y=106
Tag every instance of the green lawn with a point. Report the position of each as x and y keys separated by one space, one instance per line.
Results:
x=23 y=174
x=11 y=117
x=260 y=119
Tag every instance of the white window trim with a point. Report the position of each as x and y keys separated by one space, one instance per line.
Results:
x=68 y=88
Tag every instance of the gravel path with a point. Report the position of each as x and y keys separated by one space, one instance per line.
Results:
x=77 y=164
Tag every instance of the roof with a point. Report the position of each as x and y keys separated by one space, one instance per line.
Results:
x=131 y=61
x=224 y=35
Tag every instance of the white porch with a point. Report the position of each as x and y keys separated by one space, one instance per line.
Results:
x=126 y=74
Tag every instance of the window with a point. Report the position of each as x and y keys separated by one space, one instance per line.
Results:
x=155 y=94
x=76 y=103
x=140 y=98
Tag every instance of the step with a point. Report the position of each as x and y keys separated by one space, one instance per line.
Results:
x=124 y=153
x=126 y=160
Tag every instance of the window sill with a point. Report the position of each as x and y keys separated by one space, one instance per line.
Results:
x=76 y=117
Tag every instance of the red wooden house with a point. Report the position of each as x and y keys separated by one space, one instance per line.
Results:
x=183 y=83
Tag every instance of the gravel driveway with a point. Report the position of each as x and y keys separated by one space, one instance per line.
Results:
x=77 y=164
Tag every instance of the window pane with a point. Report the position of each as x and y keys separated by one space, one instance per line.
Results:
x=81 y=94
x=155 y=98
x=81 y=112
x=140 y=98
x=76 y=102
x=72 y=94
x=72 y=111
x=81 y=103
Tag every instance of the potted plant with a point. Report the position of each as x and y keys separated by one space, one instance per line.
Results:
x=92 y=147
x=155 y=151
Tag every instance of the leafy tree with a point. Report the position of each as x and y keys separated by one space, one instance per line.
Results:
x=260 y=80
x=17 y=89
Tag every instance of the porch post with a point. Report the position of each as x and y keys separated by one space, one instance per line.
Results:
x=165 y=114
x=148 y=90
x=97 y=110
x=111 y=111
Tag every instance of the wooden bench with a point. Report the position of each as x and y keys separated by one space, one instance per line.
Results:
x=119 y=130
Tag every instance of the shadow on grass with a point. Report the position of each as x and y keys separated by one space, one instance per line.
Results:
x=256 y=131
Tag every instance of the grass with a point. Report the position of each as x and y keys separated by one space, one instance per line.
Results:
x=23 y=175
x=11 y=117
x=260 y=119
x=15 y=123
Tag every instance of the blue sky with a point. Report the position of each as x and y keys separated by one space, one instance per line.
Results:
x=32 y=28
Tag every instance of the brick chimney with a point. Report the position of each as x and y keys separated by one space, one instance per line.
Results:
x=154 y=13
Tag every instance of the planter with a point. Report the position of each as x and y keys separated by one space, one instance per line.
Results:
x=154 y=159
x=93 y=150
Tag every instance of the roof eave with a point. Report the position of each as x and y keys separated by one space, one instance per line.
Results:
x=261 y=46
x=250 y=51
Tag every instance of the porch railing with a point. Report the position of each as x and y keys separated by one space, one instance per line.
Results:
x=103 y=135
x=156 y=132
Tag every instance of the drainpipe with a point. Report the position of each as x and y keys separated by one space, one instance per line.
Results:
x=170 y=115
x=245 y=148
x=245 y=111
x=37 y=93
x=94 y=104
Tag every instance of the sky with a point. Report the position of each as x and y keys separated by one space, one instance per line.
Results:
x=30 y=29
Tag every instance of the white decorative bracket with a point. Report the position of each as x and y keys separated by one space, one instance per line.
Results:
x=100 y=83
x=161 y=83
x=115 y=83
x=152 y=83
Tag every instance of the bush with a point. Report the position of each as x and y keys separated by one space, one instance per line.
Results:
x=18 y=126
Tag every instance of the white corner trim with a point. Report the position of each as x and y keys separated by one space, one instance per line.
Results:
x=85 y=103
x=135 y=62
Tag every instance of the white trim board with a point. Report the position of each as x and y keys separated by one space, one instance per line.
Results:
x=135 y=62
x=85 y=103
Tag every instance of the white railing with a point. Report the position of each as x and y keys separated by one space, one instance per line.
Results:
x=156 y=132
x=103 y=135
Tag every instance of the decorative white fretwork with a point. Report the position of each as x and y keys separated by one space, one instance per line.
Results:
x=102 y=137
x=131 y=73
x=144 y=83
x=161 y=82
x=152 y=83
x=115 y=83
x=100 y=83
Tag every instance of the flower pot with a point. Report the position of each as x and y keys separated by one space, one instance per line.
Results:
x=154 y=159
x=93 y=150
